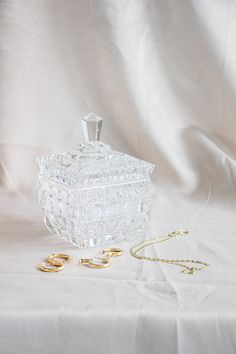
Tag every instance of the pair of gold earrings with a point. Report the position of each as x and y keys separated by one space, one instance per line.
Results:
x=55 y=265
x=56 y=262
x=104 y=261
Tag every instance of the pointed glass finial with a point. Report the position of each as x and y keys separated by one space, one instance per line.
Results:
x=92 y=126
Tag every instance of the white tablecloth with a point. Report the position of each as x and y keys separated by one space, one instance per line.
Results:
x=132 y=307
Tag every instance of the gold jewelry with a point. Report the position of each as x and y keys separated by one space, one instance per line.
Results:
x=52 y=260
x=58 y=266
x=179 y=262
x=105 y=262
x=113 y=252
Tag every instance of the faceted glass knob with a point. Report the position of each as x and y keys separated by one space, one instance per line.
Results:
x=92 y=126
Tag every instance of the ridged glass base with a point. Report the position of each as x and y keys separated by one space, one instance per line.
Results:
x=97 y=216
x=102 y=240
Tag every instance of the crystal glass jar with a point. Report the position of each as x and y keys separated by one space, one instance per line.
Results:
x=94 y=195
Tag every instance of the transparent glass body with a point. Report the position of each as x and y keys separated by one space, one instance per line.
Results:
x=94 y=195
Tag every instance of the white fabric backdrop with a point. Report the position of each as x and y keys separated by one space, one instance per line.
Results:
x=163 y=75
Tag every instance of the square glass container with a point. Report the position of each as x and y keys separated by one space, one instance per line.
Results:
x=94 y=195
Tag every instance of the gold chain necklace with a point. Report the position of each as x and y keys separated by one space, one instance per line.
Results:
x=179 y=262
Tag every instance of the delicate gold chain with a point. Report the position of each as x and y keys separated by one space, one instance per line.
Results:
x=179 y=262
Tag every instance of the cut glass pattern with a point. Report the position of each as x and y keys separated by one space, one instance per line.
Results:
x=94 y=195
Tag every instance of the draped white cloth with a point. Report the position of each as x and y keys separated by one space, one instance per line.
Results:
x=163 y=76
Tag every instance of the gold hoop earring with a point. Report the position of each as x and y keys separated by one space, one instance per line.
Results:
x=58 y=266
x=105 y=262
x=52 y=260
x=113 y=252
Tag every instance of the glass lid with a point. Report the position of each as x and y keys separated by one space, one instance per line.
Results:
x=92 y=160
